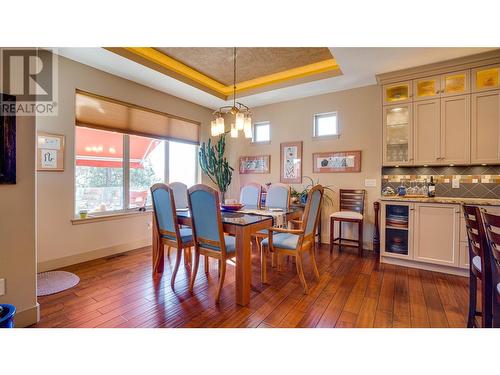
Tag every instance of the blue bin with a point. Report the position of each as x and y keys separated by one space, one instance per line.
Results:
x=7 y=313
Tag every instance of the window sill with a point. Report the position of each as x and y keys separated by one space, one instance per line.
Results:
x=110 y=216
x=260 y=143
x=325 y=137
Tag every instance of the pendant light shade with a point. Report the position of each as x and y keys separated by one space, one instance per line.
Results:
x=240 y=121
x=220 y=125
x=247 y=127
x=214 y=131
x=234 y=131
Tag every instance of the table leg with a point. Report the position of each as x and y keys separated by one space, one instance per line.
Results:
x=157 y=248
x=243 y=266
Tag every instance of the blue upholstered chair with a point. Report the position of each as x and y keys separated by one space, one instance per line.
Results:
x=168 y=229
x=208 y=233
x=294 y=242
x=180 y=194
x=251 y=194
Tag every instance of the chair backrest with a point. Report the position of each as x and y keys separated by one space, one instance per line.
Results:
x=250 y=194
x=164 y=211
x=180 y=194
x=278 y=196
x=352 y=200
x=311 y=211
x=206 y=218
x=475 y=235
x=492 y=229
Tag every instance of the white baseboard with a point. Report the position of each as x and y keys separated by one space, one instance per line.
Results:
x=91 y=255
x=425 y=266
x=27 y=317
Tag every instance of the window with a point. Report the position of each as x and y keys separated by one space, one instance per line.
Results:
x=261 y=132
x=103 y=158
x=326 y=124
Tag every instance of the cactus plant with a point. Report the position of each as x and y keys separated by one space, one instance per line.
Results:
x=214 y=164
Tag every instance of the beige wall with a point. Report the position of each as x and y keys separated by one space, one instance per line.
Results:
x=17 y=228
x=60 y=242
x=359 y=112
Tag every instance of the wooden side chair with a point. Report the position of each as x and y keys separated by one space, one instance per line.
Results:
x=352 y=207
x=479 y=267
x=251 y=194
x=492 y=226
x=208 y=233
x=294 y=242
x=168 y=229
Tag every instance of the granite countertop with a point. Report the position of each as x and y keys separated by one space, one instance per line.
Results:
x=449 y=200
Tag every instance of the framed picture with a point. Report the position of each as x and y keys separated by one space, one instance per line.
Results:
x=255 y=164
x=7 y=143
x=337 y=162
x=50 y=152
x=291 y=162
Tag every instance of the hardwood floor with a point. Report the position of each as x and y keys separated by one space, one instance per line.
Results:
x=119 y=291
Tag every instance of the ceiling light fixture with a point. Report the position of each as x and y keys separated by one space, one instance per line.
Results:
x=242 y=115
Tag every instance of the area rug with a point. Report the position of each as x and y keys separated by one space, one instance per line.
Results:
x=55 y=281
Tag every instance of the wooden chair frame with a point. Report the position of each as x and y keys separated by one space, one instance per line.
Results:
x=199 y=242
x=304 y=243
x=177 y=243
x=356 y=206
x=476 y=237
x=493 y=244
x=257 y=185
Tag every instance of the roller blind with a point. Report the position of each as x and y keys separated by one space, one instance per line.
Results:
x=94 y=111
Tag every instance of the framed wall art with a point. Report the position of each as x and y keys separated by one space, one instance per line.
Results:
x=7 y=143
x=259 y=164
x=50 y=152
x=337 y=162
x=291 y=162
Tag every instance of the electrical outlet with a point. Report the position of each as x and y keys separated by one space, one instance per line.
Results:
x=370 y=182
x=455 y=183
x=2 y=287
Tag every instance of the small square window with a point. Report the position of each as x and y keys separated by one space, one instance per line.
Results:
x=261 y=132
x=326 y=125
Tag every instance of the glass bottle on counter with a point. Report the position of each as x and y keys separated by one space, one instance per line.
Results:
x=431 y=189
x=402 y=188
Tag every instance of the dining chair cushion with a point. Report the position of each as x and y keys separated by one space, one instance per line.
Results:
x=186 y=235
x=347 y=215
x=476 y=262
x=163 y=210
x=283 y=241
x=250 y=195
x=278 y=196
x=180 y=194
x=230 y=245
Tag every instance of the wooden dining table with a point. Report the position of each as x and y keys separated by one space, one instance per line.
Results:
x=240 y=225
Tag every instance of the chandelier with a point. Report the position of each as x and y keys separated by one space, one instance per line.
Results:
x=242 y=117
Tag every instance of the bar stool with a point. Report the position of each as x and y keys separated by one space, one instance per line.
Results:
x=479 y=267
x=352 y=206
x=492 y=226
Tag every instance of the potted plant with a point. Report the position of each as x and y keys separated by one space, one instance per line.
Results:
x=301 y=196
x=214 y=164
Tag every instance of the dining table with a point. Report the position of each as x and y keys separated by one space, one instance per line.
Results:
x=239 y=224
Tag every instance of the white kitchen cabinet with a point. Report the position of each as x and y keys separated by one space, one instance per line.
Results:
x=485 y=129
x=427 y=129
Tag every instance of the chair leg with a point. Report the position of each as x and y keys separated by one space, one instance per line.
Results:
x=176 y=267
x=472 y=300
x=222 y=270
x=196 y=262
x=263 y=265
x=206 y=263
x=340 y=236
x=218 y=267
x=313 y=261
x=331 y=233
x=273 y=259
x=300 y=272
x=168 y=251
x=486 y=303
x=360 y=238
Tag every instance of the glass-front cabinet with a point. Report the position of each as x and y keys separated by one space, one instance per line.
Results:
x=397 y=93
x=398 y=135
x=427 y=88
x=486 y=78
x=455 y=83
x=397 y=221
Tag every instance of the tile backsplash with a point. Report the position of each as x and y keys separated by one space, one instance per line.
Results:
x=474 y=181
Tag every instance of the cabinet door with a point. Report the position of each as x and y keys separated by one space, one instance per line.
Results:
x=396 y=236
x=426 y=122
x=436 y=233
x=455 y=130
x=456 y=83
x=427 y=88
x=398 y=135
x=485 y=126
x=486 y=78
x=464 y=255
x=397 y=93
